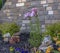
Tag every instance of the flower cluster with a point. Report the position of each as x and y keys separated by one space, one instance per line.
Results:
x=32 y=13
x=49 y=49
x=58 y=49
x=57 y=42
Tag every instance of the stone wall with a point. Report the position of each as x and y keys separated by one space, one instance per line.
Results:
x=13 y=10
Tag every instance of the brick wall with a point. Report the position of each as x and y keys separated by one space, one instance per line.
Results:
x=13 y=10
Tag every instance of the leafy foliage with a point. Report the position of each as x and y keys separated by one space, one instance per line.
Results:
x=9 y=27
x=55 y=51
x=0 y=3
x=35 y=37
x=53 y=29
x=35 y=40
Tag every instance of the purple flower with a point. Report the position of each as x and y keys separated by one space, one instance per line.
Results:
x=27 y=15
x=34 y=9
x=32 y=14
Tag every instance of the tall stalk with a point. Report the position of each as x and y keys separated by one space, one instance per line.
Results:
x=35 y=37
x=36 y=27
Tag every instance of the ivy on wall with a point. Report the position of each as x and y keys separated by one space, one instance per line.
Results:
x=2 y=3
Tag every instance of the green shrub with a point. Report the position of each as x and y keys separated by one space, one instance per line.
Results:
x=9 y=27
x=35 y=36
x=0 y=4
x=53 y=29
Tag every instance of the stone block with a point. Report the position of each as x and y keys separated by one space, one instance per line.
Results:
x=48 y=8
x=43 y=2
x=19 y=4
x=50 y=12
x=25 y=21
x=50 y=1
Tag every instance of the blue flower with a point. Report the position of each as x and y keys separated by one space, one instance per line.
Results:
x=17 y=49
